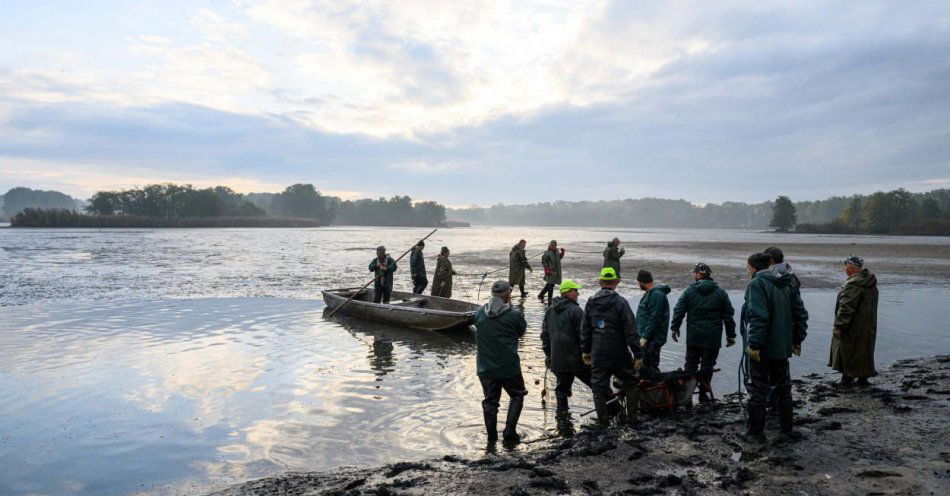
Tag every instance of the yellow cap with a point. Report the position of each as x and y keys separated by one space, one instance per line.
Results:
x=568 y=285
x=608 y=274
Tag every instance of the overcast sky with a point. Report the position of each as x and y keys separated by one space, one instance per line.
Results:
x=478 y=102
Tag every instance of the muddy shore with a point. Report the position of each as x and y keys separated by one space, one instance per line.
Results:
x=891 y=438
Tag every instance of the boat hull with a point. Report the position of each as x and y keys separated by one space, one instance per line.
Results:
x=430 y=313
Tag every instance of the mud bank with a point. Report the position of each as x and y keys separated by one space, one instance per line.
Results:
x=891 y=438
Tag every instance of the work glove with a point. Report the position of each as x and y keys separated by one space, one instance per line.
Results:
x=637 y=363
x=797 y=350
x=586 y=358
x=755 y=355
x=643 y=342
x=676 y=336
x=730 y=341
x=836 y=333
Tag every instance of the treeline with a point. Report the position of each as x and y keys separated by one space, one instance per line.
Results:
x=39 y=217
x=173 y=201
x=396 y=211
x=17 y=199
x=892 y=212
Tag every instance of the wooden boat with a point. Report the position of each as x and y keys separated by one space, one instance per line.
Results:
x=430 y=313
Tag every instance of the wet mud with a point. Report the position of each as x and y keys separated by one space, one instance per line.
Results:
x=889 y=438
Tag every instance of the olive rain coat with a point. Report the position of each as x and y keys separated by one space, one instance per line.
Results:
x=561 y=335
x=653 y=314
x=496 y=339
x=775 y=314
x=442 y=285
x=386 y=279
x=709 y=311
x=517 y=263
x=551 y=260
x=612 y=256
x=609 y=330
x=856 y=318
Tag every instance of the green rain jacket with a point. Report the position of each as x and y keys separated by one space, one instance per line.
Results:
x=551 y=260
x=653 y=314
x=496 y=339
x=776 y=316
x=517 y=263
x=442 y=284
x=387 y=278
x=856 y=318
x=709 y=311
x=612 y=256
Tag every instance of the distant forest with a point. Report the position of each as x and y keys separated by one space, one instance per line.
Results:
x=658 y=212
x=891 y=212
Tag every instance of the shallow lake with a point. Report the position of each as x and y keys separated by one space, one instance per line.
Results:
x=183 y=360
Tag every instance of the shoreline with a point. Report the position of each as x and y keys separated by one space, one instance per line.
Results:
x=891 y=438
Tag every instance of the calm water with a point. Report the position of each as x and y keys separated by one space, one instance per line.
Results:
x=177 y=361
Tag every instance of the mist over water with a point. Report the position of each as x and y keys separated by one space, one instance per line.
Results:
x=157 y=360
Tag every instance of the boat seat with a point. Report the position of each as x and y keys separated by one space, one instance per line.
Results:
x=412 y=302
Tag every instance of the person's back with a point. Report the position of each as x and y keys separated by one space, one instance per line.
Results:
x=417 y=269
x=561 y=343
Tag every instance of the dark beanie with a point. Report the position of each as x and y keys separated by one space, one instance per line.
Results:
x=644 y=276
x=759 y=261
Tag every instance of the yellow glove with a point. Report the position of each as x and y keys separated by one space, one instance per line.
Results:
x=755 y=355
x=797 y=350
x=730 y=342
x=586 y=358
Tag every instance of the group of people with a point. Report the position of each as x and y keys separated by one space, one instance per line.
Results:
x=607 y=340
x=384 y=267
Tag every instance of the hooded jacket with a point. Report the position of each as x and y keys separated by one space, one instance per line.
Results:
x=609 y=330
x=387 y=278
x=785 y=268
x=653 y=314
x=517 y=263
x=612 y=256
x=496 y=338
x=551 y=261
x=775 y=314
x=709 y=311
x=561 y=335
x=856 y=318
x=442 y=284
x=417 y=264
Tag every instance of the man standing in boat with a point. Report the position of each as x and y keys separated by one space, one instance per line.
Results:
x=384 y=266
x=498 y=326
x=442 y=281
x=551 y=261
x=417 y=269
x=517 y=263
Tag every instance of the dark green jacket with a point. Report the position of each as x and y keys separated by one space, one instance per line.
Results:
x=709 y=311
x=775 y=314
x=653 y=314
x=496 y=338
x=442 y=283
x=552 y=260
x=417 y=264
x=561 y=335
x=612 y=256
x=856 y=318
x=387 y=278
x=517 y=263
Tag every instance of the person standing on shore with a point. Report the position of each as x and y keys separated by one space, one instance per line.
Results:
x=442 y=279
x=777 y=263
x=561 y=343
x=608 y=338
x=612 y=255
x=517 y=263
x=709 y=311
x=777 y=323
x=417 y=269
x=855 y=328
x=551 y=261
x=384 y=266
x=653 y=319
x=498 y=326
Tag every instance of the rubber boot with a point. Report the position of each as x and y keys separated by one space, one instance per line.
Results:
x=491 y=425
x=632 y=394
x=511 y=423
x=756 y=423
x=786 y=416
x=562 y=406
x=600 y=405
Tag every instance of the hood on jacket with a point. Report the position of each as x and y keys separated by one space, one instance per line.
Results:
x=780 y=279
x=560 y=304
x=663 y=288
x=602 y=293
x=704 y=286
x=864 y=278
x=515 y=248
x=495 y=307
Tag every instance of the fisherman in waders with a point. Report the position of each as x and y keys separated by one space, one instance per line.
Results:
x=561 y=342
x=707 y=310
x=417 y=269
x=653 y=319
x=612 y=255
x=855 y=328
x=551 y=261
x=517 y=263
x=609 y=343
x=498 y=326
x=384 y=266
x=777 y=321
x=442 y=279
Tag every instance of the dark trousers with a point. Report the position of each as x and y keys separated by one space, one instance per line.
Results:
x=521 y=288
x=600 y=379
x=702 y=360
x=769 y=374
x=651 y=355
x=492 y=388
x=549 y=290
x=419 y=284
x=565 y=381
x=381 y=293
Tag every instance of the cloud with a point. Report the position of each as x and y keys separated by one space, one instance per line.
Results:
x=216 y=27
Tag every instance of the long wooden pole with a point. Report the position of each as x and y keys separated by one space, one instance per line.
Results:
x=377 y=276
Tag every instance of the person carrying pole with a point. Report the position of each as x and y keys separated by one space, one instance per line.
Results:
x=384 y=266
x=417 y=268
